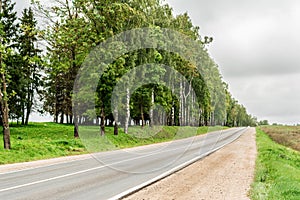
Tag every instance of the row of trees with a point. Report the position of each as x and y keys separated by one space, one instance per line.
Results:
x=72 y=28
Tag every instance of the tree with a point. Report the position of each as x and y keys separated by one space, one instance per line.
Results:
x=7 y=36
x=107 y=19
x=79 y=25
x=30 y=65
x=70 y=37
x=263 y=123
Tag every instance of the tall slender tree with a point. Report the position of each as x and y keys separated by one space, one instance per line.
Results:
x=7 y=38
x=29 y=66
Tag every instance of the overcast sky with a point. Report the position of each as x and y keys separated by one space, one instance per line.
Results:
x=257 y=46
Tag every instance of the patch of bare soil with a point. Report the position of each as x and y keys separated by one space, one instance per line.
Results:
x=225 y=174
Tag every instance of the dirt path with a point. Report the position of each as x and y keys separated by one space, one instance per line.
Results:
x=225 y=174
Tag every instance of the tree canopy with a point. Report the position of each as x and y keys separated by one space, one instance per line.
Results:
x=71 y=29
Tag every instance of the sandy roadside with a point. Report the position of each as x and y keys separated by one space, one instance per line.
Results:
x=225 y=174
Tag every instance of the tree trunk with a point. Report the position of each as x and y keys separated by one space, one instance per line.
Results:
x=181 y=104
x=200 y=119
x=76 y=133
x=116 y=118
x=186 y=119
x=3 y=101
x=6 y=134
x=71 y=119
x=97 y=121
x=23 y=115
x=173 y=116
x=27 y=117
x=151 y=109
x=29 y=104
x=102 y=124
x=142 y=115
x=212 y=119
x=116 y=130
x=62 y=118
x=4 y=112
x=127 y=107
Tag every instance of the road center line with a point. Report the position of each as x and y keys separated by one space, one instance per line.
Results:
x=87 y=170
x=84 y=171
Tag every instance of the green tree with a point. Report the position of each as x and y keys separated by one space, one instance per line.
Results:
x=70 y=37
x=7 y=37
x=29 y=67
x=263 y=123
x=79 y=25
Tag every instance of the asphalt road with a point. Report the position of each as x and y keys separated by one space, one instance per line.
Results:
x=111 y=175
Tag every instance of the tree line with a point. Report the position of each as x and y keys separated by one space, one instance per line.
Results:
x=43 y=62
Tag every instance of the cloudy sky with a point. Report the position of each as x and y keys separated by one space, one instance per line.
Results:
x=257 y=46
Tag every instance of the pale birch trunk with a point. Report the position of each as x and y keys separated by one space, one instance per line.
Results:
x=127 y=108
x=151 y=110
x=181 y=103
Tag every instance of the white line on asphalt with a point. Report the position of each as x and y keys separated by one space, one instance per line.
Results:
x=96 y=168
x=41 y=166
x=168 y=173
x=90 y=156
x=83 y=171
x=50 y=179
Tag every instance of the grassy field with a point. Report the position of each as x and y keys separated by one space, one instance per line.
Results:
x=40 y=140
x=286 y=135
x=277 y=170
x=48 y=140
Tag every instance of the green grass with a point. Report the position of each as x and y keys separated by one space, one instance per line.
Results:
x=39 y=141
x=277 y=171
x=48 y=140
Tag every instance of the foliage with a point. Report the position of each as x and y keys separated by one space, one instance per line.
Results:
x=26 y=70
x=263 y=123
x=8 y=29
x=73 y=28
x=277 y=173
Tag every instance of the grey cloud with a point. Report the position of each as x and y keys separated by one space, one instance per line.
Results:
x=256 y=44
x=20 y=5
x=273 y=97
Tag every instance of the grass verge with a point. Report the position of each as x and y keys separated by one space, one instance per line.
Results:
x=49 y=140
x=286 y=135
x=277 y=171
x=40 y=141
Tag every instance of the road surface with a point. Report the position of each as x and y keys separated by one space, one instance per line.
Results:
x=111 y=175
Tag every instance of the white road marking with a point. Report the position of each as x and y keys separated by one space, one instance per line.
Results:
x=83 y=171
x=171 y=171
x=132 y=189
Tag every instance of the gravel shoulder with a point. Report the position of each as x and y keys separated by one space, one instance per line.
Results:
x=225 y=174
